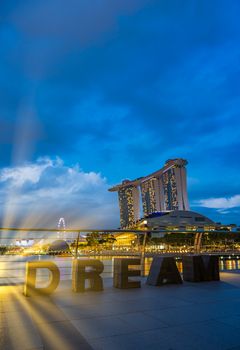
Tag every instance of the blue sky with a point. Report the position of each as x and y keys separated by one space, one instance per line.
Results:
x=95 y=92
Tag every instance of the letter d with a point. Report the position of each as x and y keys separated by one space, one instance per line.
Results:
x=31 y=274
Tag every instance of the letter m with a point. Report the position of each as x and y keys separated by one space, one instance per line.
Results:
x=199 y=268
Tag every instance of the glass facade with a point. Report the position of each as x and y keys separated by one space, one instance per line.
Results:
x=150 y=196
x=170 y=190
x=129 y=206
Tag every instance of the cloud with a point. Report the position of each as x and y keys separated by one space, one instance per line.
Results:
x=220 y=203
x=50 y=29
x=17 y=176
x=38 y=193
x=75 y=21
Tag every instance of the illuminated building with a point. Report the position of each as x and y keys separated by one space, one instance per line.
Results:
x=125 y=239
x=161 y=191
x=128 y=197
x=174 y=184
x=24 y=242
x=150 y=191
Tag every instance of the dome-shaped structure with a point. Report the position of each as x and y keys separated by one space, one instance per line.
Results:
x=58 y=246
x=178 y=218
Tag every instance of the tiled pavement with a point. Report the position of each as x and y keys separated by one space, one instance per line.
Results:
x=189 y=316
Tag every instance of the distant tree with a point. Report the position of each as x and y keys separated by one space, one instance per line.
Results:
x=148 y=238
x=3 y=250
x=96 y=239
x=178 y=238
x=45 y=248
x=93 y=239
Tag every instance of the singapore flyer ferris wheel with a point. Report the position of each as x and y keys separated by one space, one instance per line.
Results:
x=61 y=223
x=61 y=226
x=62 y=234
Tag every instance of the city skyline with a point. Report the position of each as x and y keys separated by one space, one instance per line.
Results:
x=92 y=93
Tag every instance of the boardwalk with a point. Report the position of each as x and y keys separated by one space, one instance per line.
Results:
x=189 y=316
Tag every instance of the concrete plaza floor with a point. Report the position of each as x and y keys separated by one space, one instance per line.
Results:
x=189 y=316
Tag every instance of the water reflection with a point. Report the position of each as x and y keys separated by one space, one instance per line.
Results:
x=224 y=264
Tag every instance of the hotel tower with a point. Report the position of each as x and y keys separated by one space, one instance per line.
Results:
x=163 y=190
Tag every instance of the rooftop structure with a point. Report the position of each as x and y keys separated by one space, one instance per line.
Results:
x=178 y=220
x=163 y=190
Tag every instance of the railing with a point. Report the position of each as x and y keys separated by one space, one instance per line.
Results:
x=12 y=267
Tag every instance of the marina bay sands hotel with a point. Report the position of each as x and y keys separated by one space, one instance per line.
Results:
x=162 y=191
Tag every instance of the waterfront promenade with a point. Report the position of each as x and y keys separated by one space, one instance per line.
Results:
x=189 y=316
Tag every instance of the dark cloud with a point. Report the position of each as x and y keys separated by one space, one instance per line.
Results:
x=121 y=86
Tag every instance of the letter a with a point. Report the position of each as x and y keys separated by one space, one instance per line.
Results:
x=163 y=271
